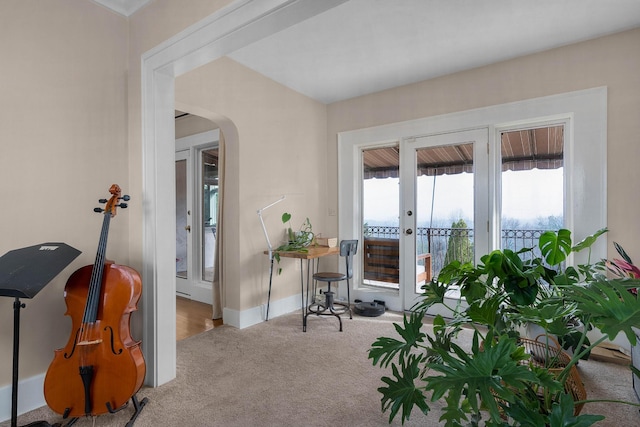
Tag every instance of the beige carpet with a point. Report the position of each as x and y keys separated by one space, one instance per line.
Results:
x=273 y=374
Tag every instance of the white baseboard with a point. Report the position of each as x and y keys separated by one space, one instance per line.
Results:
x=30 y=396
x=253 y=316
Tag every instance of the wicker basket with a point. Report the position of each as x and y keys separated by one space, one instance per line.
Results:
x=547 y=353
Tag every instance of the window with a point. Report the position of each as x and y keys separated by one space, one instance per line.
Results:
x=581 y=118
x=532 y=184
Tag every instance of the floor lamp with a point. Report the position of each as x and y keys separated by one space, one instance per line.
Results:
x=270 y=249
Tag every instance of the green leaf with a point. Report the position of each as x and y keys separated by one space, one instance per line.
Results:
x=488 y=376
x=453 y=413
x=485 y=312
x=622 y=253
x=385 y=349
x=562 y=414
x=612 y=307
x=570 y=276
x=571 y=340
x=589 y=240
x=520 y=290
x=527 y=412
x=433 y=292
x=552 y=315
x=401 y=392
x=555 y=246
x=518 y=279
x=286 y=217
x=455 y=275
x=443 y=335
x=438 y=323
x=473 y=291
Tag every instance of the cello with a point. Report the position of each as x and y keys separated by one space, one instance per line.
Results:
x=101 y=367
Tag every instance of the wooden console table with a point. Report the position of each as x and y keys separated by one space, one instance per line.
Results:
x=312 y=253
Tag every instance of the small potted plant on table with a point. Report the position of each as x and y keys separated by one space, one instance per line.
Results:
x=297 y=241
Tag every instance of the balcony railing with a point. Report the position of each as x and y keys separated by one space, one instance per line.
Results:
x=447 y=244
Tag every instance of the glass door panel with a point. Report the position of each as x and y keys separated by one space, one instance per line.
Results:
x=182 y=220
x=209 y=197
x=444 y=208
x=380 y=218
x=442 y=215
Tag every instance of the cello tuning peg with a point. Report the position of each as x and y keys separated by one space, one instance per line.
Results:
x=98 y=210
x=126 y=198
x=123 y=205
x=102 y=201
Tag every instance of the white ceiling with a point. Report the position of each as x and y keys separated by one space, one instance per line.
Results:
x=364 y=46
x=123 y=7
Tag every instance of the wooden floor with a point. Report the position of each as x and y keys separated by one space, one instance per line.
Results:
x=193 y=317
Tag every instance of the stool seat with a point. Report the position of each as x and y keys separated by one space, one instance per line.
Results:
x=329 y=277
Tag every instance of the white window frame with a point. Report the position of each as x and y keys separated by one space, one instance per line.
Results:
x=585 y=115
x=567 y=160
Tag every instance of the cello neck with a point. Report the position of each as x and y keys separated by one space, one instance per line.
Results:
x=94 y=295
x=93 y=298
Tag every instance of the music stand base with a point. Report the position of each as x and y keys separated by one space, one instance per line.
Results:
x=40 y=424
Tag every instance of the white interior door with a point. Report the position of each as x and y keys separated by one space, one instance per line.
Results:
x=184 y=223
x=442 y=216
x=197 y=180
x=196 y=220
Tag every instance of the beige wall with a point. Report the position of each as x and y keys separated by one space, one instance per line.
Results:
x=63 y=136
x=611 y=61
x=192 y=125
x=148 y=28
x=70 y=127
x=279 y=151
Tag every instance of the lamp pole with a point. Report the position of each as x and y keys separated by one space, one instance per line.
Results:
x=270 y=248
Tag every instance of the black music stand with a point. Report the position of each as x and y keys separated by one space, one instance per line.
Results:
x=23 y=273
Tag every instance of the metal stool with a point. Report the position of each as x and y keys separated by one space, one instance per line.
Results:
x=348 y=249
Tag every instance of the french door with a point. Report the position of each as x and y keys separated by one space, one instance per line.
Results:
x=442 y=218
x=524 y=174
x=196 y=216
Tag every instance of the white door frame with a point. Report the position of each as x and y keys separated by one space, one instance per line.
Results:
x=232 y=27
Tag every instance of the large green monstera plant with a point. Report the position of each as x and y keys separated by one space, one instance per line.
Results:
x=493 y=380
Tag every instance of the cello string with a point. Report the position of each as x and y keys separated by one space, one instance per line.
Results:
x=93 y=295
x=92 y=285
x=99 y=269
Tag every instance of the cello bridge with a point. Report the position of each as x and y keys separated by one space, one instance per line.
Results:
x=93 y=342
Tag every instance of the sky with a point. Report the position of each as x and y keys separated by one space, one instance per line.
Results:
x=527 y=195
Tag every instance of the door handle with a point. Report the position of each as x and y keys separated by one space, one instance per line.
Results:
x=188 y=228
x=408 y=232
